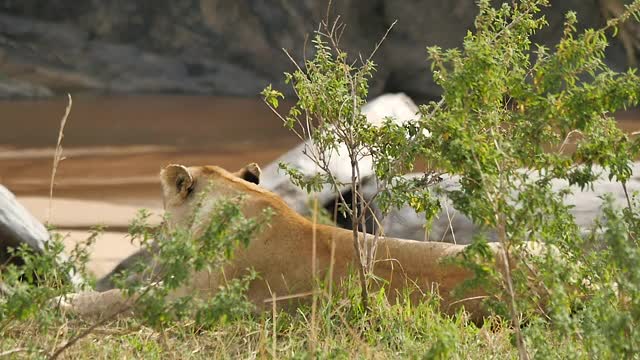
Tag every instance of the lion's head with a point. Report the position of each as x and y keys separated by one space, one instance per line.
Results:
x=182 y=188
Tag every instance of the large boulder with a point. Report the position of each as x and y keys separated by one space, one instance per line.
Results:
x=18 y=227
x=230 y=47
x=451 y=225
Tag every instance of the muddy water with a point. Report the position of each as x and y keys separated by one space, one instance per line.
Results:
x=115 y=146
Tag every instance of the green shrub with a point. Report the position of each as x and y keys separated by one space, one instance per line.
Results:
x=509 y=107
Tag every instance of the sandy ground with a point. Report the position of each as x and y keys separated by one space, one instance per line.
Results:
x=114 y=149
x=75 y=218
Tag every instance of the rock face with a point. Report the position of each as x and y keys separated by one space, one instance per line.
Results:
x=228 y=47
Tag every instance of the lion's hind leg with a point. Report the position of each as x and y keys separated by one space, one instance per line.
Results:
x=109 y=303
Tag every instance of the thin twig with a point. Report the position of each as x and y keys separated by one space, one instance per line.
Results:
x=479 y=297
x=453 y=234
x=626 y=194
x=384 y=37
x=567 y=139
x=287 y=297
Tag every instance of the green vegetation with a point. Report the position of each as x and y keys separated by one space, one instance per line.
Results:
x=508 y=109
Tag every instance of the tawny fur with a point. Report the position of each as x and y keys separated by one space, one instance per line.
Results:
x=282 y=252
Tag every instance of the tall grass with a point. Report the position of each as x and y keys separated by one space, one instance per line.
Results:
x=57 y=156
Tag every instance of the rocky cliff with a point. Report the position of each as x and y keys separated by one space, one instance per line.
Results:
x=224 y=47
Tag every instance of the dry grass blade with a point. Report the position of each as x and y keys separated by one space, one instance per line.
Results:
x=57 y=156
x=287 y=297
x=13 y=352
x=313 y=334
x=274 y=345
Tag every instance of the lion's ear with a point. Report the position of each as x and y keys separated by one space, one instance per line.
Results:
x=250 y=173
x=176 y=179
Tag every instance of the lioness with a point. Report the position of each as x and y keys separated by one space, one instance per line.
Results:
x=282 y=252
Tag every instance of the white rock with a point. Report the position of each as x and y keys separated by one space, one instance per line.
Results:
x=452 y=226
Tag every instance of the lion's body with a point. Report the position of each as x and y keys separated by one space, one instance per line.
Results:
x=281 y=253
